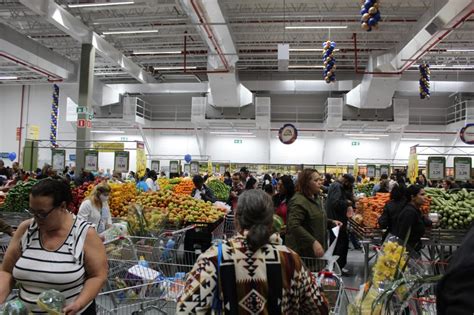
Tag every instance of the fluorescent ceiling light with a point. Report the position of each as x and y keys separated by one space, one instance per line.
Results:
x=421 y=139
x=8 y=78
x=309 y=49
x=157 y=52
x=230 y=133
x=173 y=68
x=99 y=4
x=365 y=135
x=315 y=27
x=460 y=50
x=129 y=32
x=108 y=131
x=110 y=73
x=366 y=138
x=305 y=67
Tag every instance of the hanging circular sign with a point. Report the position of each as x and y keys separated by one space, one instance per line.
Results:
x=467 y=134
x=288 y=134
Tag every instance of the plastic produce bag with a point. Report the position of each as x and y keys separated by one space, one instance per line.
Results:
x=52 y=301
x=14 y=307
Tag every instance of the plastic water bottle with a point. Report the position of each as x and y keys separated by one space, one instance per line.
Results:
x=142 y=262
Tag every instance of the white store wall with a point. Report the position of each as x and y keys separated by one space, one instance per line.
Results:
x=262 y=149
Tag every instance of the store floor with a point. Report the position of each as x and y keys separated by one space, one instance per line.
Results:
x=355 y=263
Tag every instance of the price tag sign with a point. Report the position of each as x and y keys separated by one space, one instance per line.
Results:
x=121 y=161
x=222 y=169
x=58 y=160
x=91 y=160
x=436 y=168
x=174 y=167
x=371 y=171
x=462 y=168
x=384 y=169
x=194 y=168
x=155 y=166
x=187 y=168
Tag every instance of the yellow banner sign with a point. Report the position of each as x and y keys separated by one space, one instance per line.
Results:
x=33 y=132
x=109 y=146
x=141 y=160
x=412 y=165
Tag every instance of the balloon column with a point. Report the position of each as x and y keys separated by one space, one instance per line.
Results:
x=370 y=15
x=54 y=117
x=329 y=61
x=424 y=80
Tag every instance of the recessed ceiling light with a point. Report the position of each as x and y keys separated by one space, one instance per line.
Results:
x=129 y=32
x=315 y=27
x=421 y=139
x=230 y=133
x=366 y=138
x=365 y=135
x=99 y=4
x=459 y=50
x=8 y=78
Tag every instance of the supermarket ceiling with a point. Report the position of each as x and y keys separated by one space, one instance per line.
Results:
x=161 y=37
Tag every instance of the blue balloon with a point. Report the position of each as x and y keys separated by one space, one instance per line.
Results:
x=368 y=4
x=187 y=158
x=333 y=45
x=372 y=22
x=377 y=16
x=12 y=156
x=363 y=11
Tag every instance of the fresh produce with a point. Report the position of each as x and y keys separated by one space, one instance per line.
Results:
x=17 y=199
x=78 y=195
x=52 y=302
x=185 y=187
x=371 y=208
x=220 y=190
x=166 y=206
x=365 y=189
x=456 y=210
x=120 y=198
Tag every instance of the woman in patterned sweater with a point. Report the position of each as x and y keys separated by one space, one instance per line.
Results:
x=256 y=274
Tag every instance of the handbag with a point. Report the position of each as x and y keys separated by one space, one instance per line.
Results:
x=216 y=300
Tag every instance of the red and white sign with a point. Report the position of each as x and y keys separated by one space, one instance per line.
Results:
x=18 y=133
x=89 y=124
x=81 y=123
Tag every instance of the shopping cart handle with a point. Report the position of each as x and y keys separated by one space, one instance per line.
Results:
x=189 y=227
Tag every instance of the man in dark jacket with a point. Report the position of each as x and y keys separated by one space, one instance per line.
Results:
x=201 y=191
x=455 y=290
x=339 y=207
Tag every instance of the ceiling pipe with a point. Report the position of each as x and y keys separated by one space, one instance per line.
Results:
x=211 y=37
x=51 y=77
x=414 y=58
x=185 y=70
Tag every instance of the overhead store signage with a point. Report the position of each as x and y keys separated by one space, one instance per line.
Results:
x=174 y=165
x=384 y=169
x=462 y=168
x=194 y=168
x=141 y=159
x=91 y=158
x=467 y=134
x=222 y=169
x=72 y=157
x=412 y=165
x=109 y=146
x=155 y=165
x=237 y=141
x=33 y=132
x=187 y=168
x=371 y=170
x=58 y=159
x=121 y=161
x=288 y=134
x=81 y=123
x=436 y=167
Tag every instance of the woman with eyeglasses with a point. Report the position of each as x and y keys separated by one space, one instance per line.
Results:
x=54 y=250
x=95 y=209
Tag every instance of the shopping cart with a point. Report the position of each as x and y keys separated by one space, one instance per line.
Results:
x=146 y=275
x=225 y=229
x=4 y=241
x=333 y=288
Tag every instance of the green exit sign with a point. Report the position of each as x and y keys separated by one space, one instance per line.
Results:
x=238 y=141
x=355 y=143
